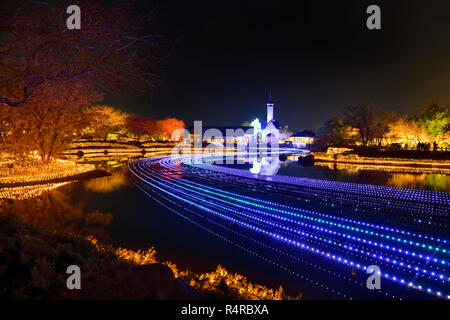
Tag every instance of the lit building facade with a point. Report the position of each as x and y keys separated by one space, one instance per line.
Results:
x=266 y=132
x=302 y=138
x=270 y=129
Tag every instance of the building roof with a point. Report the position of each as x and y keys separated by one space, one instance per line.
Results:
x=305 y=134
x=276 y=124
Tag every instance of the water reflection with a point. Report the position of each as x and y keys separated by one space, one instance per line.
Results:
x=69 y=208
x=400 y=177
x=265 y=165
x=55 y=211
x=115 y=181
x=74 y=208
x=436 y=182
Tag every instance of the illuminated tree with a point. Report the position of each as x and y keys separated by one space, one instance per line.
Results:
x=434 y=119
x=167 y=127
x=139 y=127
x=14 y=126
x=59 y=117
x=437 y=125
x=405 y=131
x=55 y=72
x=103 y=120
x=51 y=121
x=6 y=121
x=372 y=126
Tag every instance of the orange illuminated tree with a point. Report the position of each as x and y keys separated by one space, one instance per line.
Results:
x=407 y=132
x=142 y=127
x=103 y=120
x=168 y=126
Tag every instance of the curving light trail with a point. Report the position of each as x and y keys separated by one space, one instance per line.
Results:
x=310 y=228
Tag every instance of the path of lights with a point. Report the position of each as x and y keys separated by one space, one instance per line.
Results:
x=369 y=242
x=344 y=226
x=324 y=221
x=414 y=202
x=408 y=194
x=358 y=222
x=414 y=260
x=297 y=273
x=355 y=248
x=312 y=281
x=393 y=204
x=433 y=214
x=143 y=188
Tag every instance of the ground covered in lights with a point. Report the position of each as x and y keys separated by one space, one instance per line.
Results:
x=324 y=234
x=29 y=177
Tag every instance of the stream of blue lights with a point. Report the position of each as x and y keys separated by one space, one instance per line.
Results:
x=322 y=233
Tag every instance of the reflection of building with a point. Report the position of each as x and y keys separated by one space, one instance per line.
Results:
x=267 y=166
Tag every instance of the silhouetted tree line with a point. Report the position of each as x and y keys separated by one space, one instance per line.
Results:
x=427 y=130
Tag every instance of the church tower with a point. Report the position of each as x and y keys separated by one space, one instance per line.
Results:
x=269 y=108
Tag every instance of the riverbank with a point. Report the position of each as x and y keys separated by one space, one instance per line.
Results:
x=88 y=148
x=74 y=163
x=387 y=163
x=33 y=265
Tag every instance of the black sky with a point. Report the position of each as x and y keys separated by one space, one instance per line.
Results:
x=315 y=56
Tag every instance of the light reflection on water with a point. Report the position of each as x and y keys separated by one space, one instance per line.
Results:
x=57 y=210
x=70 y=208
x=272 y=165
x=431 y=181
x=114 y=211
x=107 y=184
x=76 y=207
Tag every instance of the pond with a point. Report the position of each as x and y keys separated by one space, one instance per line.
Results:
x=377 y=175
x=115 y=211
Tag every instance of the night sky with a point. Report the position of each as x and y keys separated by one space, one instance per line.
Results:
x=317 y=57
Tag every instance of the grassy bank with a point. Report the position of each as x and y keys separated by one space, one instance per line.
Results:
x=33 y=265
x=402 y=154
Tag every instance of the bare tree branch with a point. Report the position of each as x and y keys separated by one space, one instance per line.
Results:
x=113 y=50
